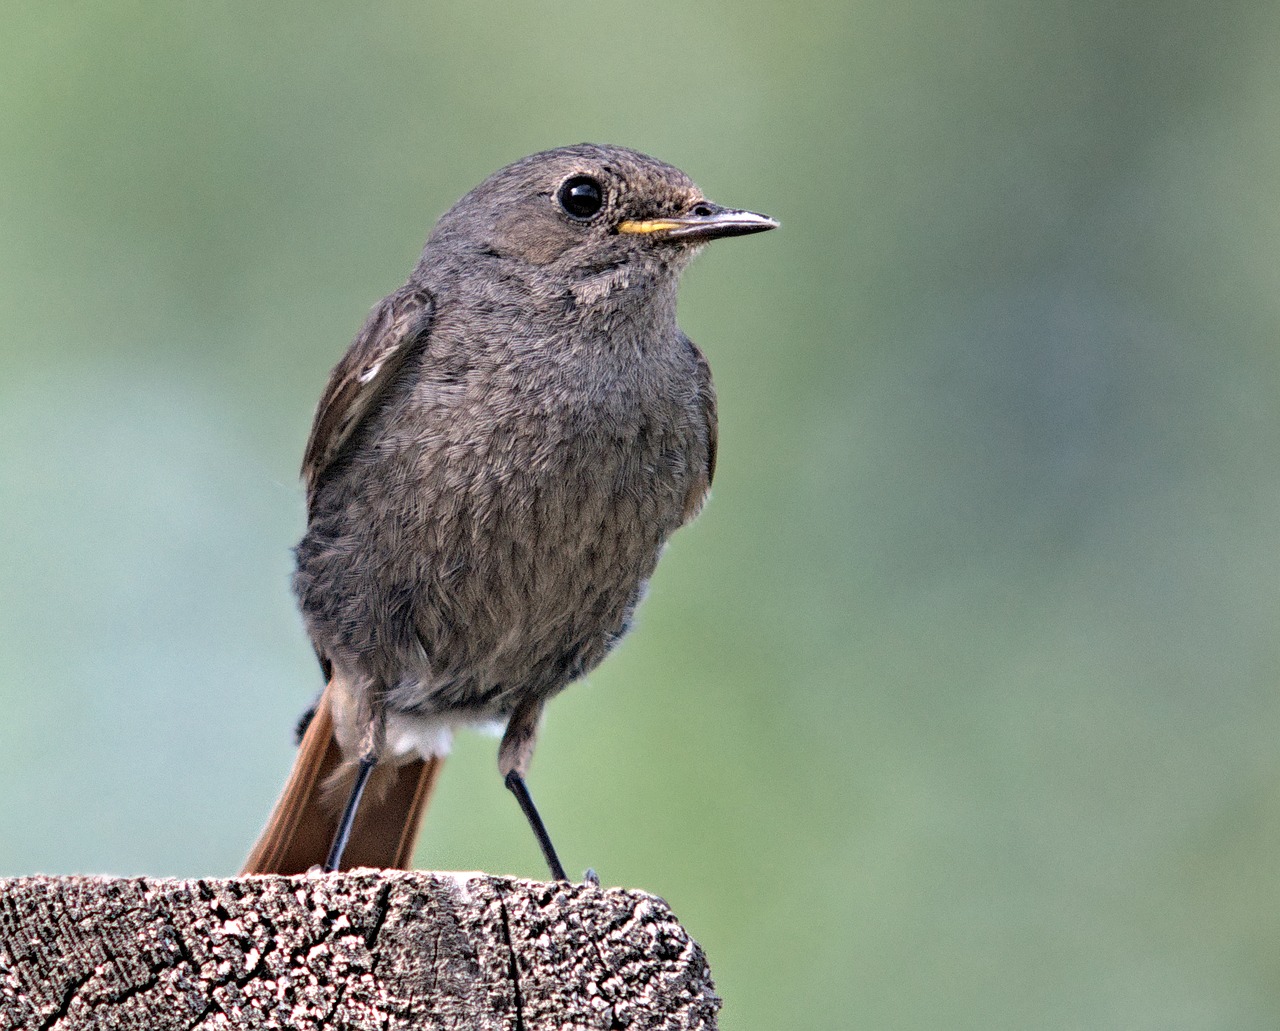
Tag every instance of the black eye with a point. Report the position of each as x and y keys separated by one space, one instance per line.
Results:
x=581 y=196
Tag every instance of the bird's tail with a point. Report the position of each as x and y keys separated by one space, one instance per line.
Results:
x=302 y=825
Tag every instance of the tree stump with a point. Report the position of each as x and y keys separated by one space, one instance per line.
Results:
x=368 y=949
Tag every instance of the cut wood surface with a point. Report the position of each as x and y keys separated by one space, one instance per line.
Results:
x=368 y=949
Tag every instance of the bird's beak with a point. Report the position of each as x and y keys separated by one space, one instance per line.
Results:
x=706 y=221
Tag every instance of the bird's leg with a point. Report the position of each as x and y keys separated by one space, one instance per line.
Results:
x=370 y=749
x=513 y=761
x=517 y=786
x=365 y=767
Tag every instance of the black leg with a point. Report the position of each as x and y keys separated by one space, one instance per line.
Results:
x=515 y=783
x=345 y=824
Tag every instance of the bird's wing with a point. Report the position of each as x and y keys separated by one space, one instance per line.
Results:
x=707 y=401
x=361 y=377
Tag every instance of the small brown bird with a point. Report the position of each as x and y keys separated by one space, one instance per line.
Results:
x=494 y=468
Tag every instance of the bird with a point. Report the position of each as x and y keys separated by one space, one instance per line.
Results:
x=493 y=470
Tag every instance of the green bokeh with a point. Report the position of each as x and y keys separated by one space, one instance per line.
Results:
x=956 y=709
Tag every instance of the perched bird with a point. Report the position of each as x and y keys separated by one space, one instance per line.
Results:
x=493 y=470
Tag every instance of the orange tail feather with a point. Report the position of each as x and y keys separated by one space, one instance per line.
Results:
x=302 y=825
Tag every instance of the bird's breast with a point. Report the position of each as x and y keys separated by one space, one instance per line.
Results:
x=500 y=519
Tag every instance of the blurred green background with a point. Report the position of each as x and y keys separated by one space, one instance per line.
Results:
x=958 y=707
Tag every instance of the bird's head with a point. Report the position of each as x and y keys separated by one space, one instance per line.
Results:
x=582 y=211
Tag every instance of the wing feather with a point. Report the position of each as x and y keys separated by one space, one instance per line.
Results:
x=707 y=400
x=361 y=376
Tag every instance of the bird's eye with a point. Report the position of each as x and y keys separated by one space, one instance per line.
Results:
x=581 y=196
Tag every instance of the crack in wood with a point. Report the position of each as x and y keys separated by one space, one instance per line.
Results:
x=69 y=995
x=513 y=966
